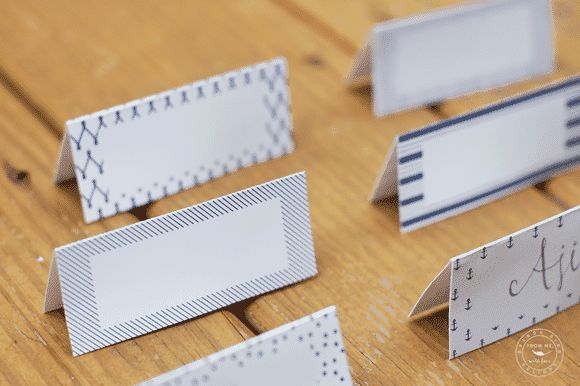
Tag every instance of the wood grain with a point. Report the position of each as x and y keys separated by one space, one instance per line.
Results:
x=62 y=59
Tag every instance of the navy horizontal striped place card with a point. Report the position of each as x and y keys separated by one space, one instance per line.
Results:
x=174 y=267
x=144 y=150
x=506 y=286
x=454 y=51
x=461 y=163
x=308 y=351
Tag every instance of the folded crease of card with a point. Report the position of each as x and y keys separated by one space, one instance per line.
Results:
x=147 y=149
x=458 y=164
x=454 y=51
x=308 y=351
x=177 y=266
x=511 y=284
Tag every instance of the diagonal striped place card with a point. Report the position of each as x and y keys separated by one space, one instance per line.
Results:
x=461 y=163
x=144 y=150
x=308 y=351
x=174 y=267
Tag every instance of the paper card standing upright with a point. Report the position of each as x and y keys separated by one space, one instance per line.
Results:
x=174 y=267
x=139 y=152
x=308 y=351
x=461 y=163
x=513 y=283
x=427 y=58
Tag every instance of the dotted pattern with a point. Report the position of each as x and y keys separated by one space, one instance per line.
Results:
x=89 y=153
x=74 y=263
x=308 y=351
x=473 y=303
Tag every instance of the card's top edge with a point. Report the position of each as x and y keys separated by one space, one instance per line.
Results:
x=517 y=233
x=272 y=62
x=298 y=174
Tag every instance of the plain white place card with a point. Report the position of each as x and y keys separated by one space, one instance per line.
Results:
x=308 y=351
x=461 y=163
x=174 y=267
x=139 y=152
x=454 y=51
x=511 y=284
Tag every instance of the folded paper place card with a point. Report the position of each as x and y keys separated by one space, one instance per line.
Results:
x=427 y=58
x=308 y=351
x=508 y=285
x=174 y=267
x=461 y=163
x=139 y=152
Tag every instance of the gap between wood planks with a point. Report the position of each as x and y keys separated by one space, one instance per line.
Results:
x=238 y=310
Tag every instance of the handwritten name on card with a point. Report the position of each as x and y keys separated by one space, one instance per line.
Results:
x=454 y=51
x=461 y=163
x=139 y=152
x=309 y=351
x=510 y=284
x=174 y=267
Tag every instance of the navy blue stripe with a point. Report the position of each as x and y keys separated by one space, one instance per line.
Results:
x=490 y=109
x=410 y=179
x=573 y=122
x=547 y=170
x=410 y=157
x=573 y=102
x=573 y=142
x=411 y=200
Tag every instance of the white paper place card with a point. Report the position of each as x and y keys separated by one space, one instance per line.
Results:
x=174 y=267
x=508 y=285
x=461 y=163
x=309 y=351
x=454 y=51
x=132 y=154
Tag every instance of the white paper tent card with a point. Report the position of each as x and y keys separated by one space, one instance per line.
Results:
x=508 y=285
x=308 y=351
x=174 y=267
x=133 y=154
x=461 y=163
x=454 y=51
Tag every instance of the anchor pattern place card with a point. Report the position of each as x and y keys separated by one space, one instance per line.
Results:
x=174 y=267
x=309 y=351
x=508 y=285
x=147 y=149
x=454 y=51
x=461 y=163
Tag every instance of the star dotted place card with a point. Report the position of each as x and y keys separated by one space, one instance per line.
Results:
x=508 y=285
x=427 y=58
x=308 y=351
x=174 y=267
x=458 y=164
x=139 y=152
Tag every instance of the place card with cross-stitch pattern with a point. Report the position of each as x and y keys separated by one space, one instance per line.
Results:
x=139 y=152
x=427 y=58
x=308 y=351
x=460 y=163
x=174 y=267
x=506 y=286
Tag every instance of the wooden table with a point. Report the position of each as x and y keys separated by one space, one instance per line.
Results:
x=61 y=59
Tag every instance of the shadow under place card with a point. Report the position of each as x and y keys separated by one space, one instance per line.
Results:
x=427 y=58
x=308 y=351
x=177 y=266
x=506 y=286
x=139 y=152
x=461 y=163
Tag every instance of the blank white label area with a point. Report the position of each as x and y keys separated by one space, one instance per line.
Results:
x=188 y=263
x=494 y=149
x=454 y=52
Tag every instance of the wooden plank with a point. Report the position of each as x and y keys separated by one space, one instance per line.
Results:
x=35 y=217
